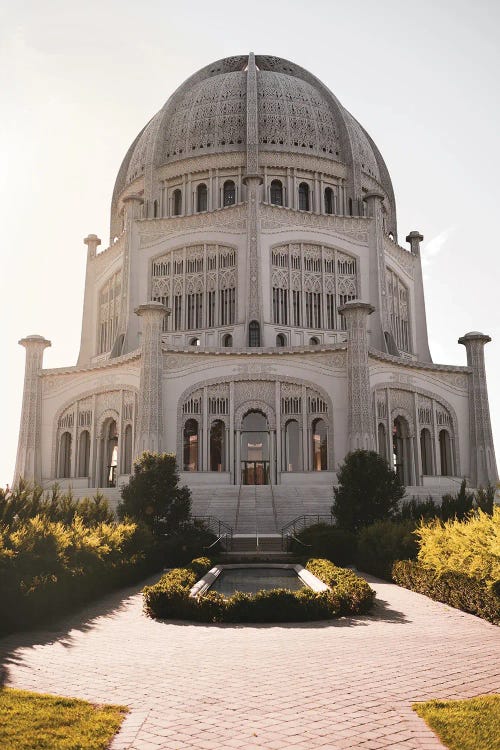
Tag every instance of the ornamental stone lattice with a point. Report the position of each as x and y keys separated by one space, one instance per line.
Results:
x=150 y=424
x=361 y=436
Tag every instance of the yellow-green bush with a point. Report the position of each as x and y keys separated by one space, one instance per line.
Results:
x=48 y=566
x=470 y=547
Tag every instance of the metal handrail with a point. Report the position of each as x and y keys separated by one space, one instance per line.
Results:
x=219 y=528
x=216 y=541
x=290 y=529
x=299 y=541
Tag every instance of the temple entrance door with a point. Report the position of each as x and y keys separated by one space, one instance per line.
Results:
x=255 y=454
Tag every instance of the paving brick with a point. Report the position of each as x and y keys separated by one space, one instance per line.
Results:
x=342 y=685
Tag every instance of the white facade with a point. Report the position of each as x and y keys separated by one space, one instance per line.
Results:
x=247 y=213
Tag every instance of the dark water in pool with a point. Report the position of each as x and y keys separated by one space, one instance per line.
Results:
x=251 y=580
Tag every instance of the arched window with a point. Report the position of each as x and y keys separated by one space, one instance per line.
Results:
x=217 y=446
x=109 y=454
x=401 y=450
x=328 y=200
x=155 y=209
x=280 y=340
x=303 y=196
x=227 y=340
x=254 y=333
x=313 y=341
x=276 y=193
x=177 y=203
x=350 y=207
x=425 y=452
x=64 y=466
x=319 y=445
x=84 y=454
x=191 y=445
x=293 y=447
x=445 y=453
x=229 y=193
x=127 y=450
x=382 y=441
x=194 y=342
x=201 y=198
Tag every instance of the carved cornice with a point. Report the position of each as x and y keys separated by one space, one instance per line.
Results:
x=107 y=364
x=415 y=364
x=229 y=219
x=401 y=258
x=276 y=218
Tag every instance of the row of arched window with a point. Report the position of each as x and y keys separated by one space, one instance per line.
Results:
x=109 y=459
x=229 y=197
x=403 y=459
x=255 y=447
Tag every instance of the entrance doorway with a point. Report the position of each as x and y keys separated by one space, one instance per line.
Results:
x=255 y=454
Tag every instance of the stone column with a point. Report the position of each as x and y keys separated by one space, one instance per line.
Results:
x=149 y=431
x=361 y=432
x=483 y=469
x=421 y=341
x=28 y=461
x=89 y=316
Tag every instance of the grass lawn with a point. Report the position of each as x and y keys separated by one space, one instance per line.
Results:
x=472 y=724
x=33 y=721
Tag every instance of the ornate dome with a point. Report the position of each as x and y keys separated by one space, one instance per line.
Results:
x=296 y=113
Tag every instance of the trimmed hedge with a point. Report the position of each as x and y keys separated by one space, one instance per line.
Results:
x=169 y=598
x=456 y=589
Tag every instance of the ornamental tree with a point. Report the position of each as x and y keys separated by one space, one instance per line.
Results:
x=153 y=495
x=368 y=491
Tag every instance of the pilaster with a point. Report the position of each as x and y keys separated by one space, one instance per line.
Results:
x=126 y=339
x=149 y=432
x=483 y=469
x=381 y=331
x=361 y=434
x=28 y=461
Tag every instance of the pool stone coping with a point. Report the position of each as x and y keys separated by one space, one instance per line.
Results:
x=203 y=585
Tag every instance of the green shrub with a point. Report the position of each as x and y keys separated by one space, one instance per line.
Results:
x=417 y=510
x=368 y=491
x=384 y=542
x=169 y=598
x=456 y=589
x=189 y=540
x=153 y=495
x=324 y=540
x=471 y=546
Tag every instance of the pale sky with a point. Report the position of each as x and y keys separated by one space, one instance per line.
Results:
x=79 y=80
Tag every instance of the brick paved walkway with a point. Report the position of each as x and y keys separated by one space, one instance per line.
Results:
x=336 y=685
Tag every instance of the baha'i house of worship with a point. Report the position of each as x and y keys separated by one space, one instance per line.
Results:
x=255 y=314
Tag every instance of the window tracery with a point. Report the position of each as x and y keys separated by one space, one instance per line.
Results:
x=109 y=311
x=397 y=302
x=198 y=283
x=309 y=284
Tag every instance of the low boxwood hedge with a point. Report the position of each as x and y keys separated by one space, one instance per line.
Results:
x=456 y=589
x=169 y=598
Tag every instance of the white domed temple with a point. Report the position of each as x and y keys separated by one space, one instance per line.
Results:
x=255 y=314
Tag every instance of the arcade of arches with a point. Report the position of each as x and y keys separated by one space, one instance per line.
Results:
x=427 y=449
